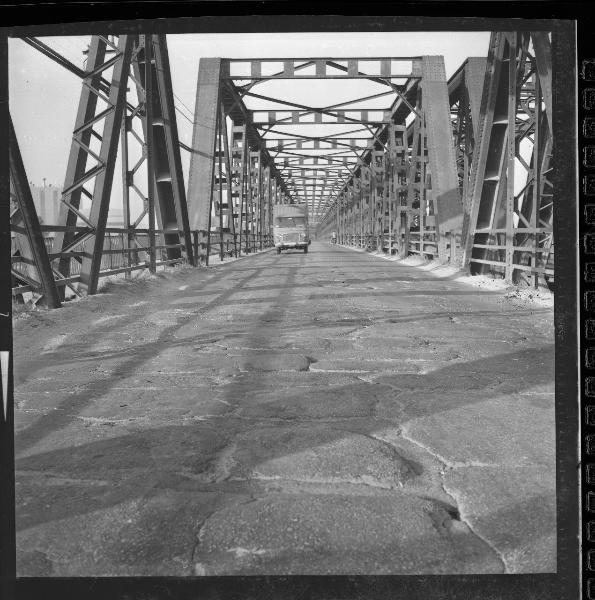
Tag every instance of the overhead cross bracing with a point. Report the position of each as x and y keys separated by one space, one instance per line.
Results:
x=317 y=164
x=315 y=148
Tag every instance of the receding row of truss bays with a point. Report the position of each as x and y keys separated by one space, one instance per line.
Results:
x=279 y=143
x=321 y=67
x=317 y=93
x=307 y=117
x=318 y=130
x=309 y=160
x=329 y=159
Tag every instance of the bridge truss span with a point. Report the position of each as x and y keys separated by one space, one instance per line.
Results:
x=387 y=152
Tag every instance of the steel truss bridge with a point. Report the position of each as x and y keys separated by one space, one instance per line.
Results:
x=410 y=163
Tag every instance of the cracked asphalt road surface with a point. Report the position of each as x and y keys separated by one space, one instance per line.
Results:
x=328 y=413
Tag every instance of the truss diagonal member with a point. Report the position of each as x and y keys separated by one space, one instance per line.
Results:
x=53 y=55
x=103 y=67
x=90 y=174
x=34 y=242
x=382 y=81
x=103 y=183
x=90 y=122
x=330 y=111
x=330 y=107
x=77 y=212
x=77 y=160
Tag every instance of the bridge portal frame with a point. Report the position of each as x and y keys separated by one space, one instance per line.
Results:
x=372 y=220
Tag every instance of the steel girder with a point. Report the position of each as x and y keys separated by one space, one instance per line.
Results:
x=465 y=89
x=508 y=225
x=30 y=262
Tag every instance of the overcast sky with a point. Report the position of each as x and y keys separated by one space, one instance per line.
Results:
x=44 y=96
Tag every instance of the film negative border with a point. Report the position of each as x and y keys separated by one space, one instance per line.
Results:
x=586 y=175
x=484 y=586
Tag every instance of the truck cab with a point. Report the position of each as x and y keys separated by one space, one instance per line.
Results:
x=290 y=227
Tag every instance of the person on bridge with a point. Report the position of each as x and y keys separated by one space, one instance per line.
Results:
x=334 y=237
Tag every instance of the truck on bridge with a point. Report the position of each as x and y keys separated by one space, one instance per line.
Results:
x=290 y=227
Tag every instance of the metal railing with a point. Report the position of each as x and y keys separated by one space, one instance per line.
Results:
x=124 y=251
x=227 y=245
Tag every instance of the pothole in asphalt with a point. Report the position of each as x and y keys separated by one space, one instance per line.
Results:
x=442 y=514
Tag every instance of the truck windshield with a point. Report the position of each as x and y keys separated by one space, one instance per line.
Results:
x=290 y=221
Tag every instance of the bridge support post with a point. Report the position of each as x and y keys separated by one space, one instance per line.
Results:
x=446 y=197
x=509 y=231
x=202 y=160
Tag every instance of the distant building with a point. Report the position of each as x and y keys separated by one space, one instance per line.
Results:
x=115 y=217
x=47 y=202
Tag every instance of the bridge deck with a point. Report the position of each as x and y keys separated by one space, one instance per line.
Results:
x=324 y=413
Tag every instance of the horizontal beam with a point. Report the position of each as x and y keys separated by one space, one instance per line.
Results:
x=338 y=76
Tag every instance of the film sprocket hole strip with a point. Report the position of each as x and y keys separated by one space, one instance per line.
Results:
x=521 y=530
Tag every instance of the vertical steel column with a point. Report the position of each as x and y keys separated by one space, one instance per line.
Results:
x=423 y=190
x=261 y=205
x=219 y=159
x=245 y=187
x=536 y=175
x=169 y=182
x=415 y=161
x=510 y=153
x=268 y=202
x=228 y=178
x=391 y=183
x=485 y=167
x=337 y=217
x=202 y=160
x=148 y=72
x=358 y=182
x=543 y=59
x=446 y=197
x=475 y=71
x=125 y=192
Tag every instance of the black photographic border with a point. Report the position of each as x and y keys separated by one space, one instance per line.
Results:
x=194 y=16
